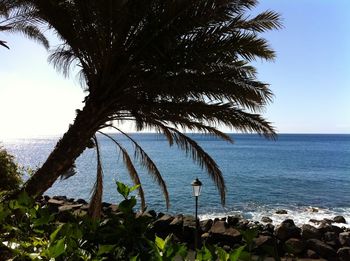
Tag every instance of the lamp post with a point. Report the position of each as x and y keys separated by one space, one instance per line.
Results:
x=197 y=187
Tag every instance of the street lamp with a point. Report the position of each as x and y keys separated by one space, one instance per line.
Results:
x=197 y=187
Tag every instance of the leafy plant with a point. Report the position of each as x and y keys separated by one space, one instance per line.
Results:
x=10 y=175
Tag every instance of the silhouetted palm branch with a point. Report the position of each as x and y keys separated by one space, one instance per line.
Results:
x=131 y=169
x=20 y=18
x=95 y=206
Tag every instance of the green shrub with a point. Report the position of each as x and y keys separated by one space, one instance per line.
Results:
x=10 y=177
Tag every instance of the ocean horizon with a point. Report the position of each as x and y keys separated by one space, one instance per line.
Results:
x=300 y=173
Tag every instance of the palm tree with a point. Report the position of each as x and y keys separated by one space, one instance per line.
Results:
x=15 y=17
x=166 y=65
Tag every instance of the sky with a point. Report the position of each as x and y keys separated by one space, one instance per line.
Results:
x=310 y=76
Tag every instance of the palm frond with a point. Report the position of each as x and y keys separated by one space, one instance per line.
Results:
x=148 y=163
x=131 y=169
x=95 y=206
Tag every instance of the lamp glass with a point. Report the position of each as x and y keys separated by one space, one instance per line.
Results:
x=197 y=187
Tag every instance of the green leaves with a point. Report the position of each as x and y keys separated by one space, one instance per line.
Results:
x=56 y=249
x=125 y=190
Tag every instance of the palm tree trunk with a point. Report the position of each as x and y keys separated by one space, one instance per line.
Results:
x=68 y=148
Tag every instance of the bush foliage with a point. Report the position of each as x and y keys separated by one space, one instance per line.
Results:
x=10 y=177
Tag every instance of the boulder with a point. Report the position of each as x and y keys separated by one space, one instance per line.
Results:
x=176 y=225
x=233 y=220
x=206 y=225
x=322 y=249
x=294 y=246
x=63 y=198
x=312 y=254
x=220 y=232
x=323 y=228
x=339 y=219
x=152 y=213
x=315 y=221
x=344 y=239
x=81 y=201
x=161 y=226
x=264 y=241
x=286 y=230
x=268 y=229
x=281 y=212
x=55 y=202
x=309 y=232
x=69 y=207
x=343 y=254
x=331 y=238
x=266 y=220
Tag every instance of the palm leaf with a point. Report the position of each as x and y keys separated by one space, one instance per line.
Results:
x=95 y=206
x=148 y=163
x=131 y=169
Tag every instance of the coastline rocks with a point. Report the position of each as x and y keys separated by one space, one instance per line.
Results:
x=325 y=242
x=281 y=211
x=344 y=239
x=339 y=219
x=344 y=254
x=286 y=230
x=310 y=232
x=294 y=246
x=322 y=249
x=266 y=220
x=222 y=233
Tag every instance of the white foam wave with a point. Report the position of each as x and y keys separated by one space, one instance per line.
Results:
x=300 y=216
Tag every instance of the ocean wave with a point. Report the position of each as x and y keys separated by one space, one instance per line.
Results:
x=300 y=215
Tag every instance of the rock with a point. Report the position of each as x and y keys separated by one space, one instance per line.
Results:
x=327 y=221
x=315 y=221
x=309 y=232
x=286 y=230
x=233 y=220
x=281 y=211
x=344 y=239
x=55 y=202
x=339 y=219
x=312 y=254
x=152 y=213
x=243 y=224
x=269 y=228
x=343 y=254
x=177 y=221
x=263 y=241
x=105 y=204
x=189 y=229
x=63 y=198
x=206 y=225
x=322 y=249
x=81 y=201
x=205 y=236
x=161 y=226
x=160 y=214
x=323 y=228
x=294 y=246
x=220 y=232
x=331 y=239
x=112 y=208
x=266 y=220
x=69 y=207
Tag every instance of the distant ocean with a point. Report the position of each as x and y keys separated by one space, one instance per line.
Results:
x=297 y=172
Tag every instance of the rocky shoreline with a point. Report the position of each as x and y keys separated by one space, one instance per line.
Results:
x=324 y=241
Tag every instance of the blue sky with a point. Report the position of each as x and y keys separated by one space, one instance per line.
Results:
x=310 y=76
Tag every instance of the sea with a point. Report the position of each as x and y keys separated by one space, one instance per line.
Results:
x=308 y=175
